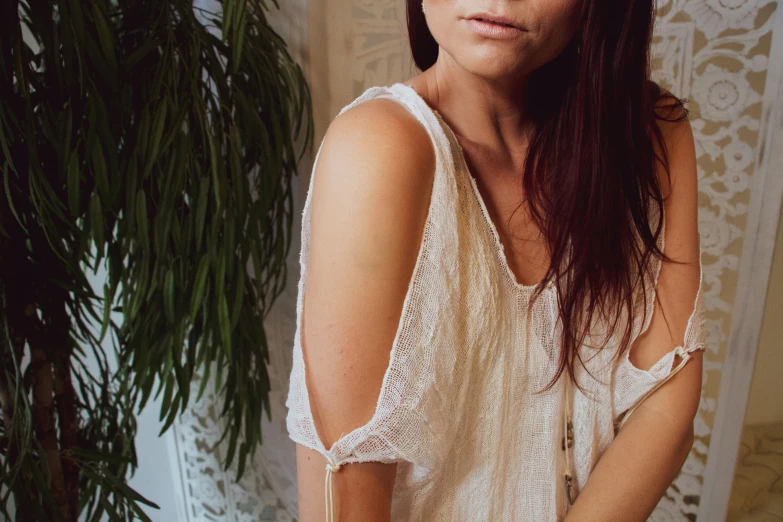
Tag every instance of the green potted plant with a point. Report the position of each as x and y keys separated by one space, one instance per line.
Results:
x=156 y=142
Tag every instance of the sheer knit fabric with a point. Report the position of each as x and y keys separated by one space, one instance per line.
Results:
x=461 y=408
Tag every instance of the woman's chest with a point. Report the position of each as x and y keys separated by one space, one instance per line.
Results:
x=498 y=188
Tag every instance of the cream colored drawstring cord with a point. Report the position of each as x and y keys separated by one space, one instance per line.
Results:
x=329 y=498
x=568 y=440
x=568 y=427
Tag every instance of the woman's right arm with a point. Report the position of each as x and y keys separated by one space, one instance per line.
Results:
x=371 y=193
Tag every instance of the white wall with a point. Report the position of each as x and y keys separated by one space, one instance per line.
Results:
x=156 y=477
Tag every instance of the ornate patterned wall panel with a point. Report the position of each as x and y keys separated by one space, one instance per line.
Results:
x=715 y=53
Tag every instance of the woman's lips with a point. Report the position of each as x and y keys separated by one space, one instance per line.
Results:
x=492 y=30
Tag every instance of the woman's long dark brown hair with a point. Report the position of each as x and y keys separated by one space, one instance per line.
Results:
x=590 y=177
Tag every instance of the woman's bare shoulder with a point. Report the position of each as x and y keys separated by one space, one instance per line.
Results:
x=376 y=160
x=380 y=128
x=671 y=118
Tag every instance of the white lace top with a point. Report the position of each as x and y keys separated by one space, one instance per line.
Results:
x=459 y=409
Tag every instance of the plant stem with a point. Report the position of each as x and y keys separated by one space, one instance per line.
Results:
x=66 y=404
x=43 y=416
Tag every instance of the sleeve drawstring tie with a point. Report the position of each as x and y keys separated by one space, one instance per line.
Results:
x=331 y=467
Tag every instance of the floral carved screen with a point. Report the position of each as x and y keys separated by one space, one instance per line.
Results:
x=714 y=53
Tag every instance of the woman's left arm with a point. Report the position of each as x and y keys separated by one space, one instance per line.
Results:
x=648 y=452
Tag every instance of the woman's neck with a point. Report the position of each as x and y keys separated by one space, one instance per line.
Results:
x=490 y=114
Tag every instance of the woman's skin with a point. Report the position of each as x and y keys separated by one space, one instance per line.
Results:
x=371 y=193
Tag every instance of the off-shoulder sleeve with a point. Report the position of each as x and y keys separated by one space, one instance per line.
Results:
x=407 y=420
x=632 y=385
x=398 y=430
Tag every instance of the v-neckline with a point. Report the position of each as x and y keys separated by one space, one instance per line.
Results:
x=490 y=225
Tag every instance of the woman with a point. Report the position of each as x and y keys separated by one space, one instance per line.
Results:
x=502 y=263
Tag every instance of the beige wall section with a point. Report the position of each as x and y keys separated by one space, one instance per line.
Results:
x=765 y=404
